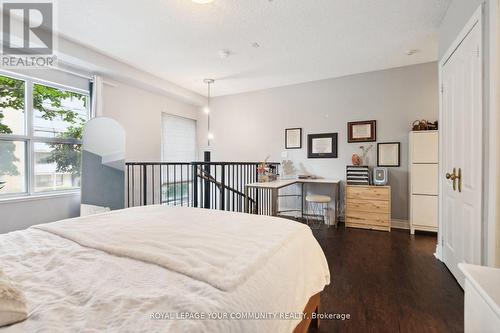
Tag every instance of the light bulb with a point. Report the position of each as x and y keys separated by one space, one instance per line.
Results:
x=210 y=136
x=206 y=109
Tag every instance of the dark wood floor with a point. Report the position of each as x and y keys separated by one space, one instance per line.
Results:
x=388 y=282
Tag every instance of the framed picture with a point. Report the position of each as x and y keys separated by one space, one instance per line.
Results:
x=362 y=131
x=322 y=145
x=388 y=154
x=293 y=138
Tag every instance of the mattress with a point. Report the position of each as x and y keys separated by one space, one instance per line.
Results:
x=74 y=288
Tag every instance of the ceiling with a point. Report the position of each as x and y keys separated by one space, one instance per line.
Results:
x=299 y=40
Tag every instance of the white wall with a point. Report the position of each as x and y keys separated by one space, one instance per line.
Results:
x=23 y=213
x=139 y=112
x=250 y=126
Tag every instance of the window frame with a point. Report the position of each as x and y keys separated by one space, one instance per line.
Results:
x=30 y=139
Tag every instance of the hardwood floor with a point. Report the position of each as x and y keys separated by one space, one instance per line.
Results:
x=388 y=282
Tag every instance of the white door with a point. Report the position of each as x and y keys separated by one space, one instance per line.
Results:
x=461 y=149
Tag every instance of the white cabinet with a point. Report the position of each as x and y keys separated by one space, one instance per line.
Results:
x=424 y=181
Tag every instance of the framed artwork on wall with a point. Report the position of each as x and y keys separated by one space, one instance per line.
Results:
x=389 y=154
x=293 y=138
x=362 y=131
x=322 y=145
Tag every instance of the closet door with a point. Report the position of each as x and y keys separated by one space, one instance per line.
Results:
x=461 y=132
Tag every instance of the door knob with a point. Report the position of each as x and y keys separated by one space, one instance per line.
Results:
x=452 y=177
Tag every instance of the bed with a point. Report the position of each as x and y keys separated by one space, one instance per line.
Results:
x=165 y=269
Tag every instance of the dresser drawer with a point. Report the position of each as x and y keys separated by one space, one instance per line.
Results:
x=368 y=193
x=379 y=219
x=370 y=206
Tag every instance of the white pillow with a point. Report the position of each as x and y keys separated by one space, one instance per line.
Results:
x=12 y=302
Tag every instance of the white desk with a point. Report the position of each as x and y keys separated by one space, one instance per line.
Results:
x=276 y=185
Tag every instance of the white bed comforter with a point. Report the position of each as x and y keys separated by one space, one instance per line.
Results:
x=75 y=288
x=217 y=247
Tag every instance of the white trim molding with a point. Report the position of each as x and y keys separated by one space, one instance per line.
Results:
x=43 y=196
x=492 y=223
x=400 y=224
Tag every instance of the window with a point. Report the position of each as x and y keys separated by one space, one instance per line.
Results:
x=178 y=145
x=40 y=136
x=179 y=139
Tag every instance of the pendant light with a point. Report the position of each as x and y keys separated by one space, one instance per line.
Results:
x=210 y=136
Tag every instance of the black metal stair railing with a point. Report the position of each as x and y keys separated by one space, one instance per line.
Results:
x=213 y=185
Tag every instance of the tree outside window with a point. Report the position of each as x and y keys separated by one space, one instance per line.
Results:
x=54 y=139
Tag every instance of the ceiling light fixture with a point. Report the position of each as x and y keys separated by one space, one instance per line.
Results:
x=206 y=109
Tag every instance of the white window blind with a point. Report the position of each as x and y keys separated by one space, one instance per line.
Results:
x=178 y=139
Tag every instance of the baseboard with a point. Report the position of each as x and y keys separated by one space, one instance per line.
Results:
x=400 y=224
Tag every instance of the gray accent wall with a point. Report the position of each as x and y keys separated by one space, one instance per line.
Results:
x=102 y=185
x=250 y=126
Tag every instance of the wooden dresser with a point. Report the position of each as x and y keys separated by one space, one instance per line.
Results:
x=368 y=207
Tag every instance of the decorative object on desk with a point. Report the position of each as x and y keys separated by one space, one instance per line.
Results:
x=388 y=154
x=380 y=176
x=293 y=138
x=287 y=169
x=362 y=131
x=424 y=125
x=357 y=175
x=265 y=173
x=306 y=177
x=356 y=160
x=271 y=177
x=262 y=171
x=322 y=145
